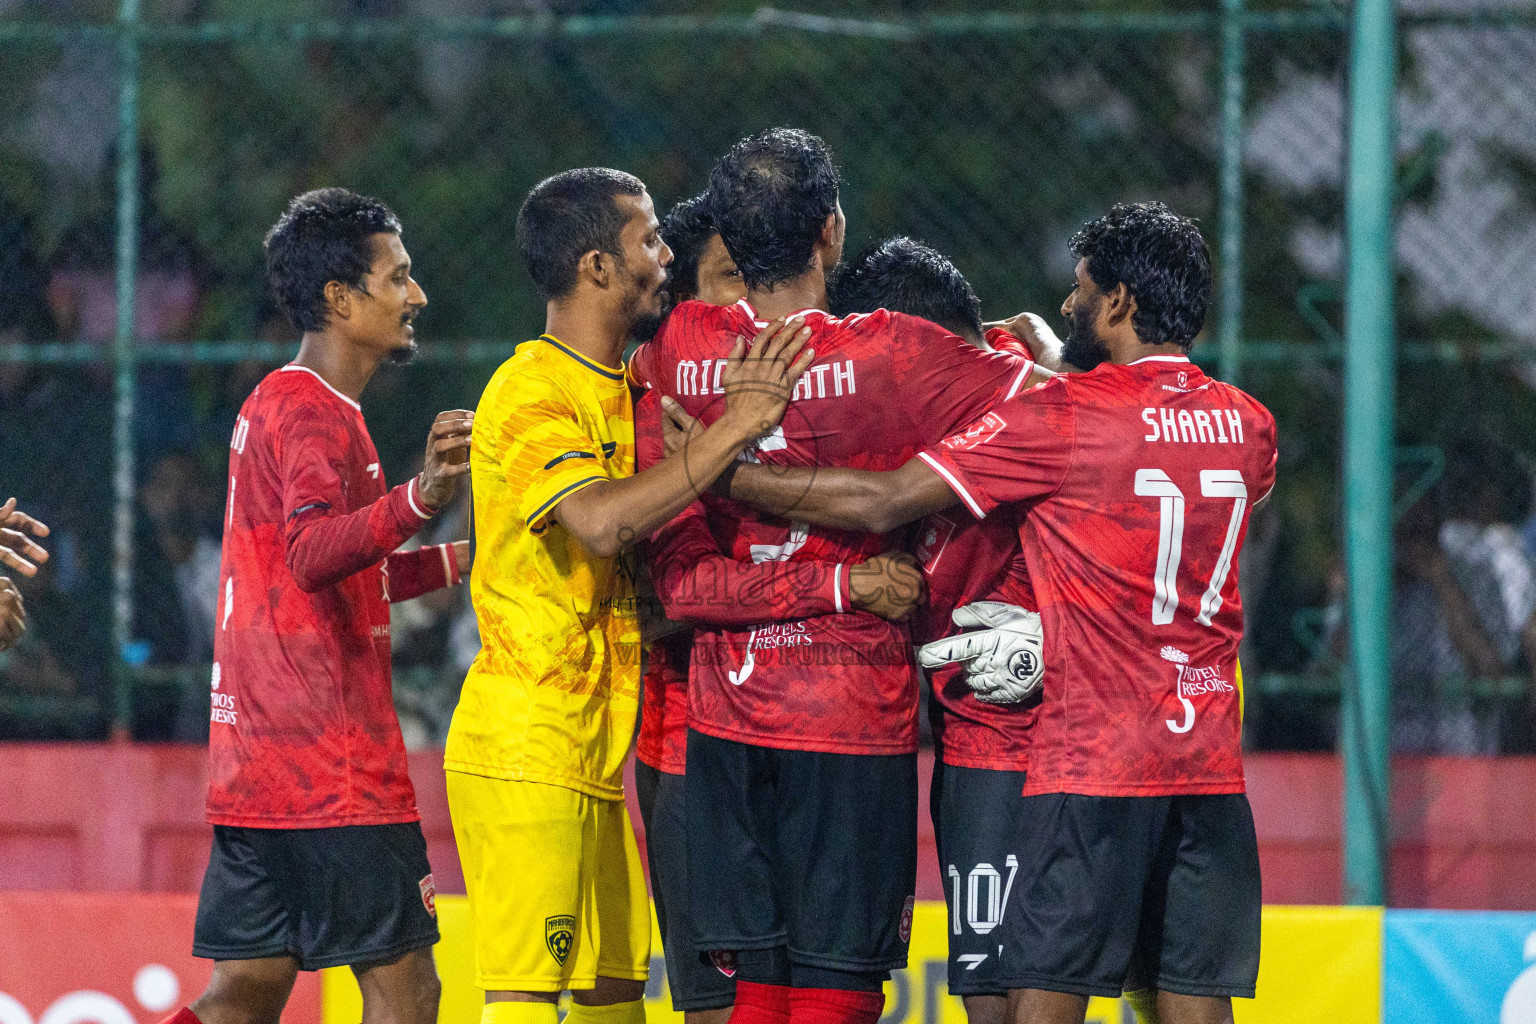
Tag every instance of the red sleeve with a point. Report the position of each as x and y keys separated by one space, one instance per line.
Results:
x=649 y=446
x=1019 y=451
x=413 y=573
x=946 y=381
x=694 y=581
x=1004 y=340
x=642 y=368
x=324 y=546
x=1267 y=479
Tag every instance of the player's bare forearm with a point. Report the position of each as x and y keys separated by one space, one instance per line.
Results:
x=609 y=516
x=1038 y=337
x=843 y=499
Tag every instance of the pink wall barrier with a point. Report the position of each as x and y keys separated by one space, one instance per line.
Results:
x=128 y=817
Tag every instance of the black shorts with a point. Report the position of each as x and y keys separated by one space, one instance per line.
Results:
x=1161 y=889
x=328 y=897
x=978 y=815
x=695 y=983
x=810 y=851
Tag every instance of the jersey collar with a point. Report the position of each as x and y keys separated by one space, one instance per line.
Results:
x=595 y=367
x=304 y=369
x=746 y=307
x=1158 y=359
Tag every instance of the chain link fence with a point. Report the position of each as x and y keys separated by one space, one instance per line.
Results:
x=145 y=153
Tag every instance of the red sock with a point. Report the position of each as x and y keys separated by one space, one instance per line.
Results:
x=182 y=1016
x=834 y=1006
x=756 y=1003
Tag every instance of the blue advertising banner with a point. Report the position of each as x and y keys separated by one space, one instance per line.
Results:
x=1464 y=966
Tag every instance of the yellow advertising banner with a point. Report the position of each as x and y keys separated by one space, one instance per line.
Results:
x=1320 y=964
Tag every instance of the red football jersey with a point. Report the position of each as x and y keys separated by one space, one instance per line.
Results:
x=662 y=742
x=695 y=583
x=965 y=560
x=304 y=732
x=883 y=387
x=1135 y=483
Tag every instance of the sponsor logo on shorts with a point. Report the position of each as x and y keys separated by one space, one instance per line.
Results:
x=904 y=926
x=559 y=934
x=428 y=893
x=724 y=961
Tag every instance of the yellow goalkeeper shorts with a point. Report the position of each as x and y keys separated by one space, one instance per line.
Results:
x=555 y=885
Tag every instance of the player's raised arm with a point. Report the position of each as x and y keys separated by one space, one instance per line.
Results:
x=1036 y=336
x=610 y=514
x=325 y=546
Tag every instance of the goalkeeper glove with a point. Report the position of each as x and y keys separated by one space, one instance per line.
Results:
x=1004 y=662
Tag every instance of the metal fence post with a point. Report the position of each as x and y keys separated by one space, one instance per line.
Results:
x=1369 y=412
x=124 y=356
x=1232 y=59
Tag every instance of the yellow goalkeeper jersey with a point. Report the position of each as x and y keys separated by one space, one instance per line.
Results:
x=553 y=695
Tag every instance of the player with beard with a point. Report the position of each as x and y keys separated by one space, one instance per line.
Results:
x=318 y=857
x=537 y=745
x=1133 y=482
x=801 y=781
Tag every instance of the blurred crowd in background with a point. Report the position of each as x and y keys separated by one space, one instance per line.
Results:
x=452 y=130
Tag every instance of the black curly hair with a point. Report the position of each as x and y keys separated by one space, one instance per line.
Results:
x=324 y=235
x=770 y=195
x=687 y=230
x=906 y=276
x=1162 y=259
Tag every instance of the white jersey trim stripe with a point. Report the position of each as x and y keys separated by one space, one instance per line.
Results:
x=410 y=497
x=295 y=366
x=837 y=587
x=954 y=485
x=1159 y=359
x=1018 y=382
x=447 y=565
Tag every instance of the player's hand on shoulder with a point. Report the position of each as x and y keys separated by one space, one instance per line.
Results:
x=447 y=456
x=1037 y=336
x=13 y=614
x=18 y=549
x=889 y=585
x=759 y=378
x=1004 y=660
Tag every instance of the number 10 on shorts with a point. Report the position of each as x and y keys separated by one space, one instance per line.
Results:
x=986 y=895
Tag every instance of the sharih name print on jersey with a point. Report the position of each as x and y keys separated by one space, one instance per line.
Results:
x=1194 y=426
